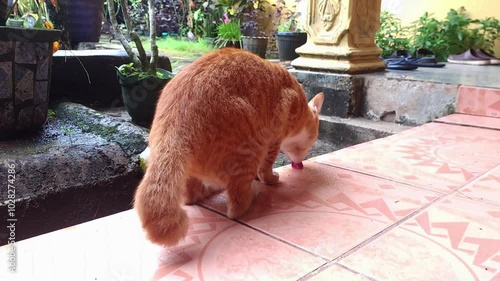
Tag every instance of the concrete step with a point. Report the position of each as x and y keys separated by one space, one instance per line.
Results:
x=406 y=97
x=344 y=132
x=81 y=166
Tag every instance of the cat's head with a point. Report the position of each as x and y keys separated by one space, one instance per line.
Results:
x=297 y=147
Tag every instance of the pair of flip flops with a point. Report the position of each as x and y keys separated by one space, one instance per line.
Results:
x=404 y=60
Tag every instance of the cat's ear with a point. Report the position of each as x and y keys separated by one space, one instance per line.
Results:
x=316 y=102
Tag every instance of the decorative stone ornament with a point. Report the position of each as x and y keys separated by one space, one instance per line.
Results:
x=341 y=37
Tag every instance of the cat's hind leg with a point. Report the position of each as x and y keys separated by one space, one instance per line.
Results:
x=196 y=190
x=265 y=172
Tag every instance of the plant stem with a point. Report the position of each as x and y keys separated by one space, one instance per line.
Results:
x=152 y=37
x=126 y=15
x=120 y=37
x=142 y=54
x=138 y=44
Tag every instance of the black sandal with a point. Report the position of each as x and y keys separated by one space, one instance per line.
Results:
x=399 y=60
x=425 y=58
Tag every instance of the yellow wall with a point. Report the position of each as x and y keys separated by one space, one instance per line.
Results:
x=410 y=10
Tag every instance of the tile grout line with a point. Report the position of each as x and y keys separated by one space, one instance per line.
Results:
x=265 y=233
x=456 y=190
x=356 y=272
x=378 y=177
x=328 y=263
x=353 y=250
x=406 y=218
x=370 y=239
x=466 y=125
x=331 y=264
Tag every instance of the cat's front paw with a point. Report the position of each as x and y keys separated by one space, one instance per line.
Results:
x=237 y=208
x=270 y=179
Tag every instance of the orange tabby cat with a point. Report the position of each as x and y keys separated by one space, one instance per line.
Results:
x=219 y=124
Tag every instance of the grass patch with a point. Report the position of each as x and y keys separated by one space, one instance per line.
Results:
x=181 y=48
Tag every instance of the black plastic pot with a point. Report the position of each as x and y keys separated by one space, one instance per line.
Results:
x=256 y=45
x=288 y=42
x=233 y=44
x=141 y=95
x=3 y=12
x=82 y=20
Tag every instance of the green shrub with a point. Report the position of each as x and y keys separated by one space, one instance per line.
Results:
x=453 y=35
x=391 y=36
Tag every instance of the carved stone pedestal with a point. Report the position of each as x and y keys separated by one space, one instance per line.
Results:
x=341 y=37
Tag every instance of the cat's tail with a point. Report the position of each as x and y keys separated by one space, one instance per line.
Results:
x=159 y=196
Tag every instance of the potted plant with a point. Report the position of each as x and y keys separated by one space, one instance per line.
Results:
x=254 y=39
x=81 y=21
x=248 y=12
x=25 y=68
x=290 y=35
x=228 y=33
x=211 y=13
x=141 y=80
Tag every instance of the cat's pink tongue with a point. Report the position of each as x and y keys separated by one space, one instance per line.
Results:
x=298 y=166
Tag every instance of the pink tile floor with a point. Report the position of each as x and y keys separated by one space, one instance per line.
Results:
x=423 y=204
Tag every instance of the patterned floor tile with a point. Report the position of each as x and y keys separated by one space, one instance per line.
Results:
x=478 y=101
x=435 y=156
x=114 y=248
x=485 y=188
x=471 y=120
x=336 y=272
x=457 y=239
x=327 y=210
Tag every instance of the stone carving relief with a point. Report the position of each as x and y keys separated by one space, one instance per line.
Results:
x=330 y=20
x=328 y=11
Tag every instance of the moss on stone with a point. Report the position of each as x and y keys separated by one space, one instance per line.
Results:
x=108 y=133
x=450 y=109
x=90 y=122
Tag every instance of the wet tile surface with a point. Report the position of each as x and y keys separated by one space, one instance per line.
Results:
x=457 y=239
x=471 y=120
x=114 y=248
x=486 y=188
x=337 y=272
x=328 y=211
x=436 y=156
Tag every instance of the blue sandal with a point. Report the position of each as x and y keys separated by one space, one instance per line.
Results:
x=425 y=58
x=400 y=60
